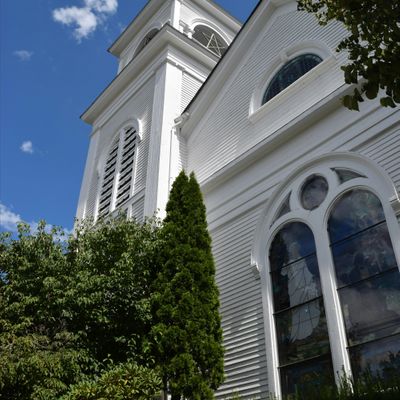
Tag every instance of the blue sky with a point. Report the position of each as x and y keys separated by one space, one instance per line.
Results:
x=53 y=64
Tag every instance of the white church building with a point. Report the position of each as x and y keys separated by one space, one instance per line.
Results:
x=302 y=194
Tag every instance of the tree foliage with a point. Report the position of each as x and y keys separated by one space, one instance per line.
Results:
x=124 y=381
x=70 y=306
x=187 y=332
x=373 y=45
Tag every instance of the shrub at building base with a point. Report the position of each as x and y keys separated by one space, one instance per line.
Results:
x=123 y=382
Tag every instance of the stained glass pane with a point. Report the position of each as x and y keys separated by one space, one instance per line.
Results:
x=296 y=283
x=345 y=175
x=355 y=211
x=379 y=357
x=289 y=73
x=307 y=377
x=371 y=309
x=314 y=192
x=302 y=332
x=284 y=208
x=292 y=242
x=363 y=255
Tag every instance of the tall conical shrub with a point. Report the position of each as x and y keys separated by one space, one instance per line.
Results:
x=187 y=333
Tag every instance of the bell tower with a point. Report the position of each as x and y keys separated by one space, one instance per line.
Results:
x=164 y=56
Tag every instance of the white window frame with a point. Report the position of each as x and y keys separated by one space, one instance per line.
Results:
x=376 y=181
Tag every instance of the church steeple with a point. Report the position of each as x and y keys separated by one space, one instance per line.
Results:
x=164 y=55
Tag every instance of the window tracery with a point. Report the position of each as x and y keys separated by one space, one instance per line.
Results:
x=210 y=39
x=355 y=247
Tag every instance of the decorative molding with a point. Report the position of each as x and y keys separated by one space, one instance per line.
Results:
x=395 y=203
x=255 y=269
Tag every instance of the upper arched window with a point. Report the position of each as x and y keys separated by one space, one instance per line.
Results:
x=210 y=39
x=146 y=40
x=289 y=73
x=118 y=172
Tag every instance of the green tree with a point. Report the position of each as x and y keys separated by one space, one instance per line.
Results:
x=373 y=45
x=187 y=332
x=71 y=306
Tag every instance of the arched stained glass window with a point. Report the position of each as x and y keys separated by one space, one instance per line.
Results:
x=210 y=39
x=299 y=314
x=146 y=40
x=289 y=73
x=368 y=280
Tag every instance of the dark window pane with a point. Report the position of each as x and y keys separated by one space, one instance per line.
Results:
x=371 y=309
x=284 y=208
x=345 y=175
x=355 y=211
x=363 y=255
x=314 y=192
x=302 y=332
x=379 y=357
x=289 y=73
x=307 y=376
x=296 y=283
x=292 y=242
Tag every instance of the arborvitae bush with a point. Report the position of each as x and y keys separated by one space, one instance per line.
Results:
x=187 y=332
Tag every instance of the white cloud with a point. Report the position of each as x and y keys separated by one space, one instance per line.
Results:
x=23 y=55
x=27 y=147
x=9 y=221
x=85 y=19
x=102 y=6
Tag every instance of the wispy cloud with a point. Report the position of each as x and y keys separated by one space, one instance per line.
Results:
x=27 y=147
x=23 y=55
x=9 y=221
x=87 y=18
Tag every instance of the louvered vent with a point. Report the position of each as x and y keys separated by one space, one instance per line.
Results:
x=108 y=180
x=126 y=168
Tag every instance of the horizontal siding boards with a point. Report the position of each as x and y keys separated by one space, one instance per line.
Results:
x=227 y=131
x=385 y=151
x=190 y=86
x=92 y=196
x=241 y=310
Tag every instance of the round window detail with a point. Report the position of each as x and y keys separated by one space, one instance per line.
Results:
x=313 y=192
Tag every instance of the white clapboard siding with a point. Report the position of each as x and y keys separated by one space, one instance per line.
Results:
x=227 y=132
x=385 y=151
x=190 y=86
x=241 y=310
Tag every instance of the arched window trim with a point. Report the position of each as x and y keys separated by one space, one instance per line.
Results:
x=377 y=182
x=285 y=55
x=139 y=47
x=120 y=131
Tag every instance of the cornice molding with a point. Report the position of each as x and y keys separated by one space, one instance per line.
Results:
x=167 y=40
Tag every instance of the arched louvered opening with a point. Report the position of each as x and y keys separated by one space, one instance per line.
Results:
x=107 y=187
x=289 y=73
x=126 y=170
x=210 y=39
x=146 y=40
